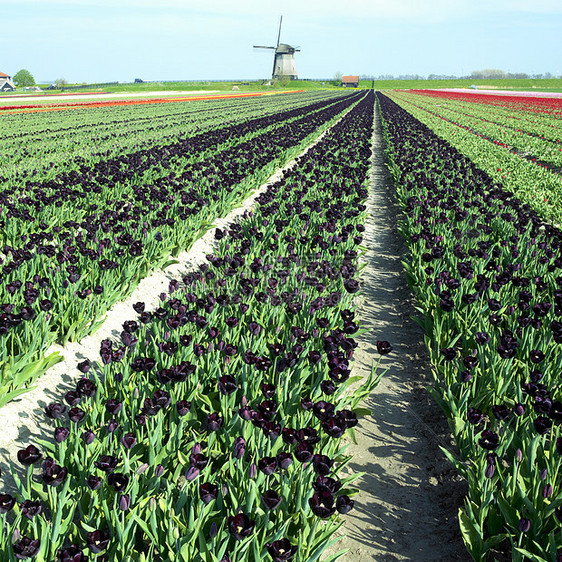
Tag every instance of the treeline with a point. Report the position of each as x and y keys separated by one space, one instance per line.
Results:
x=488 y=74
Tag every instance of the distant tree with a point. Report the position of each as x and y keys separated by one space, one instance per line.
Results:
x=338 y=76
x=548 y=76
x=60 y=82
x=488 y=74
x=24 y=78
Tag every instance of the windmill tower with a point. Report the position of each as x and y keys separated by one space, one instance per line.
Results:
x=284 y=59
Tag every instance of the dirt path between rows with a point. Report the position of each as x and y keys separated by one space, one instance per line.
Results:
x=409 y=496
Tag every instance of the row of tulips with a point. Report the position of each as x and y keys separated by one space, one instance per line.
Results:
x=83 y=241
x=211 y=431
x=535 y=185
x=486 y=271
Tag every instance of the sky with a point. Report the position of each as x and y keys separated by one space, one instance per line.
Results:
x=120 y=40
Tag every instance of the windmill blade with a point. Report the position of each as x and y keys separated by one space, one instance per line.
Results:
x=279 y=34
x=263 y=47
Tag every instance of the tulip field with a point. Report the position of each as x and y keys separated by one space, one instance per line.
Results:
x=212 y=427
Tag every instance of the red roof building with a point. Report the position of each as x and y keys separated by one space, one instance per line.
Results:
x=350 y=81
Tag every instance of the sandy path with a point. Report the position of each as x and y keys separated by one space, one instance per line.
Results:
x=409 y=497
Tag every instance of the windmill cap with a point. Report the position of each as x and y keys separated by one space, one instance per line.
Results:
x=284 y=48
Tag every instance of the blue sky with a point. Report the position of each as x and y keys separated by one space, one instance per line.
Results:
x=119 y=40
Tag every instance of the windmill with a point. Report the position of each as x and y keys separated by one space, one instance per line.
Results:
x=284 y=59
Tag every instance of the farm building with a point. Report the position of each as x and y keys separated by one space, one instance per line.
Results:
x=6 y=84
x=350 y=81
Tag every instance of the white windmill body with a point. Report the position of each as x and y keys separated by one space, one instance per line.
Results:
x=284 y=59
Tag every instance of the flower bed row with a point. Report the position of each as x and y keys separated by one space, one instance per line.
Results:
x=486 y=271
x=84 y=241
x=211 y=430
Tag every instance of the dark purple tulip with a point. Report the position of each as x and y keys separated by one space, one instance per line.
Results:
x=322 y=464
x=129 y=440
x=383 y=347
x=489 y=470
x=270 y=499
x=448 y=353
x=328 y=387
x=55 y=410
x=192 y=473
x=93 y=482
x=474 y=416
x=519 y=409
x=254 y=328
x=208 y=492
x=76 y=415
x=227 y=384
x=281 y=550
x=183 y=407
x=268 y=390
x=30 y=508
x=107 y=463
x=84 y=366
x=72 y=397
x=536 y=356
x=323 y=410
x=239 y=447
x=71 y=553
x=118 y=481
x=267 y=465
x=124 y=502
x=7 y=502
x=88 y=437
x=322 y=504
x=158 y=470
x=214 y=421
x=162 y=398
x=112 y=425
x=489 y=440
x=344 y=504
x=326 y=483
x=61 y=434
x=29 y=455
x=53 y=474
x=542 y=425
x=304 y=452
x=481 y=338
x=351 y=285
x=240 y=526
x=86 y=387
x=284 y=460
x=524 y=525
x=289 y=435
x=334 y=428
x=98 y=540
x=113 y=406
x=26 y=548
x=547 y=491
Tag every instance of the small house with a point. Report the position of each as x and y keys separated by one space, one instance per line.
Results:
x=6 y=84
x=350 y=81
